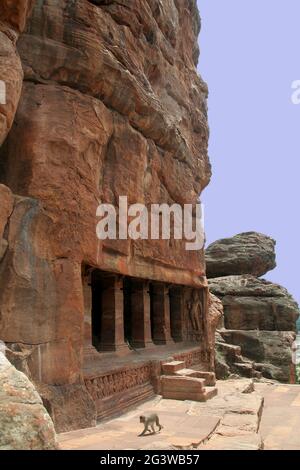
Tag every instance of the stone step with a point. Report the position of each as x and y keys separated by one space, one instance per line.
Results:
x=257 y=374
x=244 y=369
x=209 y=377
x=170 y=368
x=182 y=388
x=210 y=392
x=258 y=366
x=176 y=382
x=230 y=350
x=182 y=395
x=244 y=360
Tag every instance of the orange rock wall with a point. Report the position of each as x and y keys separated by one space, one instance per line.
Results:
x=111 y=105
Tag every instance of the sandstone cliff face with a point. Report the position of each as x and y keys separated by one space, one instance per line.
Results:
x=13 y=16
x=259 y=316
x=24 y=422
x=111 y=105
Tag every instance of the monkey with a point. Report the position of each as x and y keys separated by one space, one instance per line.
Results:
x=150 y=420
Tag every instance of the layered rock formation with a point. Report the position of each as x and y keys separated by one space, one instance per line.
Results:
x=13 y=16
x=111 y=105
x=24 y=422
x=255 y=304
x=245 y=253
x=259 y=316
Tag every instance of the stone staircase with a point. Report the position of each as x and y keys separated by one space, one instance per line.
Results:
x=180 y=383
x=236 y=362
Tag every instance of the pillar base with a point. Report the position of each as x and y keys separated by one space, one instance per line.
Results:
x=165 y=342
x=123 y=347
x=89 y=350
x=178 y=339
x=142 y=344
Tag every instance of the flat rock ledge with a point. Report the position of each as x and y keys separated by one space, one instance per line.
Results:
x=239 y=408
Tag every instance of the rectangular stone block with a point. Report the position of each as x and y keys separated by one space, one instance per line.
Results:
x=170 y=368
x=187 y=385
x=209 y=377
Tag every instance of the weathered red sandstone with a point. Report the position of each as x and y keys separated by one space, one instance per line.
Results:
x=111 y=105
x=259 y=325
x=216 y=320
x=245 y=253
x=255 y=304
x=6 y=208
x=13 y=16
x=25 y=423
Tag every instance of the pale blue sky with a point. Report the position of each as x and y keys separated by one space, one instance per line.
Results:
x=249 y=58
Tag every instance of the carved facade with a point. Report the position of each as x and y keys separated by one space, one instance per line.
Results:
x=111 y=105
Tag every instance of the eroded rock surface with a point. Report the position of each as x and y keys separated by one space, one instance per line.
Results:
x=245 y=253
x=13 y=16
x=271 y=351
x=251 y=303
x=24 y=422
x=260 y=317
x=111 y=105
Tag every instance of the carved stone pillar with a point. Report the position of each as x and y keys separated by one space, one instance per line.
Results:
x=112 y=315
x=87 y=299
x=177 y=313
x=161 y=327
x=140 y=314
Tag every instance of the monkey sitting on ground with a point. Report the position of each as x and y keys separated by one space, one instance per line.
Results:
x=150 y=421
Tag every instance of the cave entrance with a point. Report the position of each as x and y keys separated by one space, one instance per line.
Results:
x=107 y=323
x=96 y=324
x=127 y=299
x=160 y=313
x=176 y=295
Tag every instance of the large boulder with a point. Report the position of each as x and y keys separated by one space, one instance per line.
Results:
x=251 y=303
x=246 y=253
x=24 y=422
